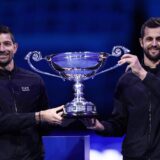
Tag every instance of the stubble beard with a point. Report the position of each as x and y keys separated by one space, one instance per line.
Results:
x=155 y=58
x=3 y=64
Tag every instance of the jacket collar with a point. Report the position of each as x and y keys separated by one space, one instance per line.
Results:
x=152 y=70
x=6 y=72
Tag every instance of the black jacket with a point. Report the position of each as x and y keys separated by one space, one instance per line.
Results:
x=22 y=93
x=136 y=115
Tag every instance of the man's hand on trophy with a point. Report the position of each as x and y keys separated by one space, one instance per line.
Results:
x=134 y=65
x=52 y=116
x=92 y=123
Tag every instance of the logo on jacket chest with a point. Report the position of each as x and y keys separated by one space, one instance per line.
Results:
x=25 y=88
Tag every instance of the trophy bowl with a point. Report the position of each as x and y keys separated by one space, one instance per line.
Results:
x=77 y=67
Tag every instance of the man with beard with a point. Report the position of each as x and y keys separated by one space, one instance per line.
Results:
x=136 y=112
x=23 y=106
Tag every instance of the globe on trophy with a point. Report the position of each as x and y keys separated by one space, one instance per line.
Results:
x=77 y=67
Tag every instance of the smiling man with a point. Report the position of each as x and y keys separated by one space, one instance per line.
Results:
x=23 y=106
x=8 y=48
x=151 y=44
x=136 y=113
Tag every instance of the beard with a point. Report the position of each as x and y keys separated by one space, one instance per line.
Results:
x=5 y=63
x=151 y=57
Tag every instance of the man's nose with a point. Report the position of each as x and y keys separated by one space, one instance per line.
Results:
x=2 y=48
x=154 y=42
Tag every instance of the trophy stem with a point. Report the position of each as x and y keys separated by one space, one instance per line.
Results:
x=78 y=91
x=79 y=107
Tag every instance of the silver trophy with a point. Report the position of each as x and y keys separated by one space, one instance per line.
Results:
x=77 y=67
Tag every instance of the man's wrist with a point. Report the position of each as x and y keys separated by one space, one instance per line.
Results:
x=38 y=117
x=142 y=74
x=99 y=126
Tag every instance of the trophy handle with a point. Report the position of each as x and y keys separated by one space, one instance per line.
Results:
x=36 y=56
x=117 y=51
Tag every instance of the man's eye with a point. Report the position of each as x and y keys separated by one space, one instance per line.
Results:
x=149 y=39
x=158 y=39
x=7 y=44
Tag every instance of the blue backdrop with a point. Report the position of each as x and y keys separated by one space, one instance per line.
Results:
x=69 y=25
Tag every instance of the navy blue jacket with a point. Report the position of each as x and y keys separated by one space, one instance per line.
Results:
x=136 y=115
x=22 y=93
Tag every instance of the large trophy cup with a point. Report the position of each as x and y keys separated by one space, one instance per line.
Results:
x=77 y=67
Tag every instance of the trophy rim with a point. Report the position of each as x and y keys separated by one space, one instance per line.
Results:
x=98 y=57
x=101 y=56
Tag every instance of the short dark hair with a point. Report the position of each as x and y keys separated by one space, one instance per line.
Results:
x=152 y=22
x=6 y=29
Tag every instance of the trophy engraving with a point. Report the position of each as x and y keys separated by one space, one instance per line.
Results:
x=77 y=67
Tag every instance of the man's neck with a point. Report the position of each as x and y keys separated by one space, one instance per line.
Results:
x=8 y=67
x=151 y=64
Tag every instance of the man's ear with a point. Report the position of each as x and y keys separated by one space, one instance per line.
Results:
x=15 y=47
x=141 y=42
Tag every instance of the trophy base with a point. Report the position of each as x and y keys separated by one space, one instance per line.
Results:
x=80 y=109
x=80 y=115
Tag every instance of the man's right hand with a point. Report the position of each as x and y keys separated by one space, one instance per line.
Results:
x=92 y=123
x=52 y=116
x=134 y=65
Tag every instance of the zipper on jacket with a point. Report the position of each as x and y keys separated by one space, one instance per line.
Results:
x=14 y=99
x=17 y=139
x=150 y=128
